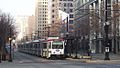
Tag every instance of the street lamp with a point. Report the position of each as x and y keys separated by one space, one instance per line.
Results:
x=10 y=56
x=76 y=47
x=106 y=27
x=10 y=39
x=66 y=46
x=0 y=46
x=48 y=27
x=38 y=34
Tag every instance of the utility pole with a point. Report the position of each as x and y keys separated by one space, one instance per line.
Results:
x=0 y=50
x=48 y=31
x=0 y=46
x=48 y=28
x=10 y=39
x=106 y=28
x=38 y=34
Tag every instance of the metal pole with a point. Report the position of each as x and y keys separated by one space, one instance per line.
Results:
x=48 y=31
x=76 y=42
x=10 y=57
x=0 y=53
x=67 y=24
x=106 y=27
x=38 y=35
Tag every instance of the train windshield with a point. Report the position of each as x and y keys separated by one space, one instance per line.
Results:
x=57 y=45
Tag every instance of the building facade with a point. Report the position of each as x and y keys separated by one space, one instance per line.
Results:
x=41 y=18
x=68 y=7
x=47 y=13
x=115 y=18
x=23 y=26
x=31 y=26
x=89 y=23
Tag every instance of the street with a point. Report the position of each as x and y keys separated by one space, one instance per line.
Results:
x=22 y=60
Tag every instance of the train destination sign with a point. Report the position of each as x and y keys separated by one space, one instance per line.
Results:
x=57 y=43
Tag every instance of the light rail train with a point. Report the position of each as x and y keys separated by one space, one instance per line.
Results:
x=48 y=48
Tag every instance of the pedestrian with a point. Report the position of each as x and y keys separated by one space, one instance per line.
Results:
x=7 y=51
x=89 y=52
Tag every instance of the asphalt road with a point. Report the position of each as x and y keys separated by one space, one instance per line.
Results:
x=22 y=60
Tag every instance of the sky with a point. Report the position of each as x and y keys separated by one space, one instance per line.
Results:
x=18 y=7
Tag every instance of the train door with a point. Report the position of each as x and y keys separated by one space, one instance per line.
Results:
x=48 y=49
x=44 y=49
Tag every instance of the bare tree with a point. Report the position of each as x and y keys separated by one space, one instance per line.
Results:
x=116 y=16
x=7 y=30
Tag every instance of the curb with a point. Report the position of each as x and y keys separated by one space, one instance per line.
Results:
x=81 y=60
x=95 y=61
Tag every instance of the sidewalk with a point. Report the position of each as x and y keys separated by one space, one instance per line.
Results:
x=102 y=56
x=98 y=58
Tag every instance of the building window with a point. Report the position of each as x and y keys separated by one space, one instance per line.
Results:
x=71 y=5
x=45 y=18
x=65 y=10
x=45 y=2
x=52 y=21
x=64 y=4
x=71 y=10
x=53 y=5
x=52 y=10
x=45 y=21
x=71 y=15
x=53 y=16
x=70 y=21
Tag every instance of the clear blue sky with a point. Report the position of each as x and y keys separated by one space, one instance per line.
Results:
x=18 y=7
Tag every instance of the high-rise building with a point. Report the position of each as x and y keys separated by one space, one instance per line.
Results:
x=47 y=12
x=31 y=26
x=22 y=22
x=68 y=7
x=90 y=20
x=41 y=18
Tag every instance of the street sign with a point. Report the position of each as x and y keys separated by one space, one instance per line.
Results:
x=106 y=49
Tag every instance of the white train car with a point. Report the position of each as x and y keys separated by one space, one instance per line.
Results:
x=53 y=47
x=48 y=48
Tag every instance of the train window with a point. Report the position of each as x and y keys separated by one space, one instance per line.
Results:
x=44 y=45
x=34 y=45
x=57 y=45
x=39 y=45
x=49 y=45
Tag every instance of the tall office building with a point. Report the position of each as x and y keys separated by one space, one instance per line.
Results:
x=47 y=12
x=65 y=6
x=31 y=26
x=89 y=23
x=68 y=7
x=22 y=23
x=41 y=18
